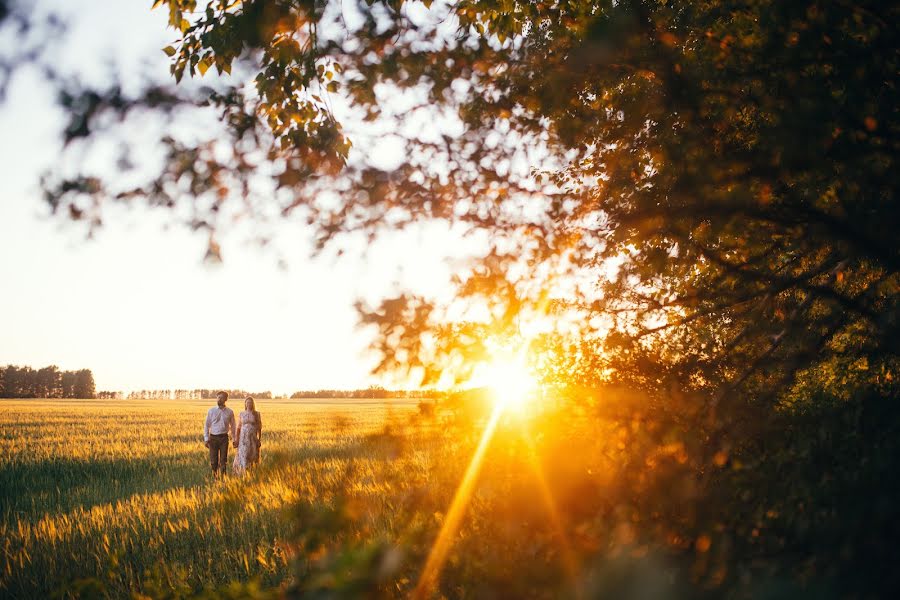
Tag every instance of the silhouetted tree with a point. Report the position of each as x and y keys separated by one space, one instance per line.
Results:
x=68 y=380
x=50 y=382
x=84 y=384
x=12 y=382
x=735 y=162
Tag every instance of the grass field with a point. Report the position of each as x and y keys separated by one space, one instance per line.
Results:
x=362 y=499
x=352 y=499
x=116 y=496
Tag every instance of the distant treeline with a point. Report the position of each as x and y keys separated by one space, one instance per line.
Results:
x=210 y=394
x=372 y=392
x=48 y=382
x=196 y=394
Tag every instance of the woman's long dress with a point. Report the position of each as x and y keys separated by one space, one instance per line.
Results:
x=247 y=455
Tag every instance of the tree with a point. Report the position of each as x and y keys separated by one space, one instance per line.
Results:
x=49 y=382
x=736 y=161
x=69 y=382
x=12 y=382
x=84 y=384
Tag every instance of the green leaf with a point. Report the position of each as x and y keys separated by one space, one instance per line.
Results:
x=169 y=50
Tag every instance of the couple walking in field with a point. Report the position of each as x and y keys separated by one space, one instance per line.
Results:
x=246 y=435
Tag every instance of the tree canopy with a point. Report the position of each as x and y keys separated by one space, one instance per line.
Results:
x=46 y=382
x=709 y=187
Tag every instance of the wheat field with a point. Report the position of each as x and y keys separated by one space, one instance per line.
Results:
x=114 y=497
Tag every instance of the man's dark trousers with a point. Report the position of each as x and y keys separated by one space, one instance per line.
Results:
x=218 y=452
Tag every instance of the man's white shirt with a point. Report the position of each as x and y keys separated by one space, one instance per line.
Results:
x=219 y=420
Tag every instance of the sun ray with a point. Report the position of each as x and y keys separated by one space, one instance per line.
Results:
x=513 y=371
x=569 y=559
x=441 y=547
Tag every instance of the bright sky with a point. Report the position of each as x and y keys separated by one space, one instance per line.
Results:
x=136 y=304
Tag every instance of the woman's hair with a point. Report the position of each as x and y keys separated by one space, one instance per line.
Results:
x=252 y=406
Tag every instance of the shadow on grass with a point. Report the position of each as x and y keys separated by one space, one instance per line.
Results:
x=28 y=491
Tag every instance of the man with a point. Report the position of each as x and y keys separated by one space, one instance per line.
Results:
x=219 y=424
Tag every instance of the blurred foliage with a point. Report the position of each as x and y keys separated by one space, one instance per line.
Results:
x=713 y=182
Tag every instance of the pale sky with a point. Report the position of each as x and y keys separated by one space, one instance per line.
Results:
x=136 y=304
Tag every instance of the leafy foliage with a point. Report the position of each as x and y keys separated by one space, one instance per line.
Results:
x=735 y=164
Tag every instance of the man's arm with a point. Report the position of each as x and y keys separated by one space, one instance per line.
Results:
x=231 y=426
x=206 y=430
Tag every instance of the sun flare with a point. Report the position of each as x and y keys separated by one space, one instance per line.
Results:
x=511 y=383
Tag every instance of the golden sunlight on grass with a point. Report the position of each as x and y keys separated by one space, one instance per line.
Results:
x=450 y=528
x=512 y=385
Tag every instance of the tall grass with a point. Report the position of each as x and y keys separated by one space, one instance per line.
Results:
x=119 y=491
x=604 y=500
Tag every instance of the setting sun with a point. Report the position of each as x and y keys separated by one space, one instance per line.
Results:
x=510 y=382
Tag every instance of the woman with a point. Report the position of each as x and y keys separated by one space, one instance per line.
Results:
x=248 y=438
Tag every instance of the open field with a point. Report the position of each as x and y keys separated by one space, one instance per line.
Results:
x=111 y=499
x=352 y=499
x=93 y=487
